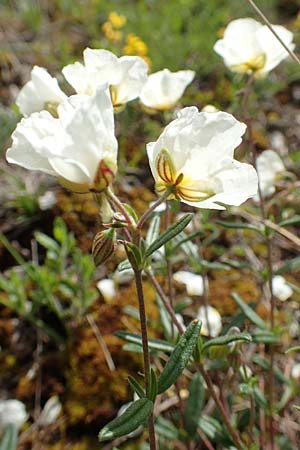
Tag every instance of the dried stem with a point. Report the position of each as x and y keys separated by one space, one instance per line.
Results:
x=101 y=342
x=269 y=25
x=146 y=357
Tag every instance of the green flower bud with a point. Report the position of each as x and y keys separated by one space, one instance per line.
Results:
x=104 y=245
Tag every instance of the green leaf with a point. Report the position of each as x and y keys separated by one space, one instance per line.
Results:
x=153 y=230
x=194 y=404
x=46 y=242
x=153 y=386
x=180 y=356
x=166 y=429
x=296 y=348
x=131 y=212
x=130 y=420
x=292 y=264
x=239 y=226
x=124 y=265
x=210 y=427
x=134 y=255
x=135 y=386
x=291 y=221
x=10 y=438
x=249 y=313
x=265 y=337
x=154 y=344
x=227 y=339
x=169 y=234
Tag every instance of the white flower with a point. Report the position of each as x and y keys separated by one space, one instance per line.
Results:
x=107 y=288
x=50 y=411
x=12 y=412
x=125 y=75
x=41 y=92
x=164 y=88
x=193 y=282
x=214 y=321
x=79 y=147
x=281 y=289
x=295 y=372
x=269 y=166
x=250 y=47
x=193 y=158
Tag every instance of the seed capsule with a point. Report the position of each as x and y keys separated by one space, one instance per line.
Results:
x=104 y=245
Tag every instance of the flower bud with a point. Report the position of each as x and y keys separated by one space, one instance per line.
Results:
x=104 y=245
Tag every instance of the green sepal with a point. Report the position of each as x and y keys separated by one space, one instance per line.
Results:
x=169 y=234
x=134 y=255
x=134 y=416
x=180 y=356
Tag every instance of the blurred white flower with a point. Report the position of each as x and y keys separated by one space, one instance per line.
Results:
x=123 y=277
x=214 y=321
x=79 y=147
x=107 y=288
x=50 y=412
x=125 y=76
x=163 y=89
x=281 y=289
x=193 y=282
x=193 y=158
x=250 y=47
x=12 y=412
x=269 y=166
x=41 y=92
x=209 y=108
x=295 y=372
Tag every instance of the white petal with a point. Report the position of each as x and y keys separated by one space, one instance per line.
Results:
x=12 y=412
x=42 y=88
x=269 y=165
x=280 y=288
x=273 y=49
x=193 y=282
x=132 y=73
x=214 y=321
x=77 y=76
x=164 y=88
x=50 y=412
x=107 y=288
x=34 y=141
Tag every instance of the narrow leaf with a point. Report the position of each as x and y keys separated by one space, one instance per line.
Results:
x=180 y=356
x=239 y=226
x=249 y=313
x=130 y=420
x=9 y=438
x=291 y=221
x=194 y=404
x=227 y=339
x=296 y=348
x=154 y=344
x=135 y=386
x=153 y=386
x=169 y=234
x=153 y=231
x=292 y=264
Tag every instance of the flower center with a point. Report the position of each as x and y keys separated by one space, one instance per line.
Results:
x=181 y=187
x=51 y=107
x=251 y=66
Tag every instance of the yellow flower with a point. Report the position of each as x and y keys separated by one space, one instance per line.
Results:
x=117 y=20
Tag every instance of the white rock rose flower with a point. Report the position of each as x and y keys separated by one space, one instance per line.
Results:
x=79 y=147
x=50 y=412
x=106 y=287
x=41 y=92
x=250 y=47
x=269 y=167
x=125 y=76
x=193 y=161
x=214 y=321
x=193 y=282
x=163 y=89
x=12 y=412
x=281 y=289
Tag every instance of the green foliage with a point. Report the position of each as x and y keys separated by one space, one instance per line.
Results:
x=9 y=438
x=60 y=286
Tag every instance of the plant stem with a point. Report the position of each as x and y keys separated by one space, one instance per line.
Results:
x=205 y=375
x=119 y=205
x=147 y=213
x=143 y=321
x=269 y=25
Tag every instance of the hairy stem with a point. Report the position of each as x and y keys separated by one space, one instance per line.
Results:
x=146 y=357
x=147 y=213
